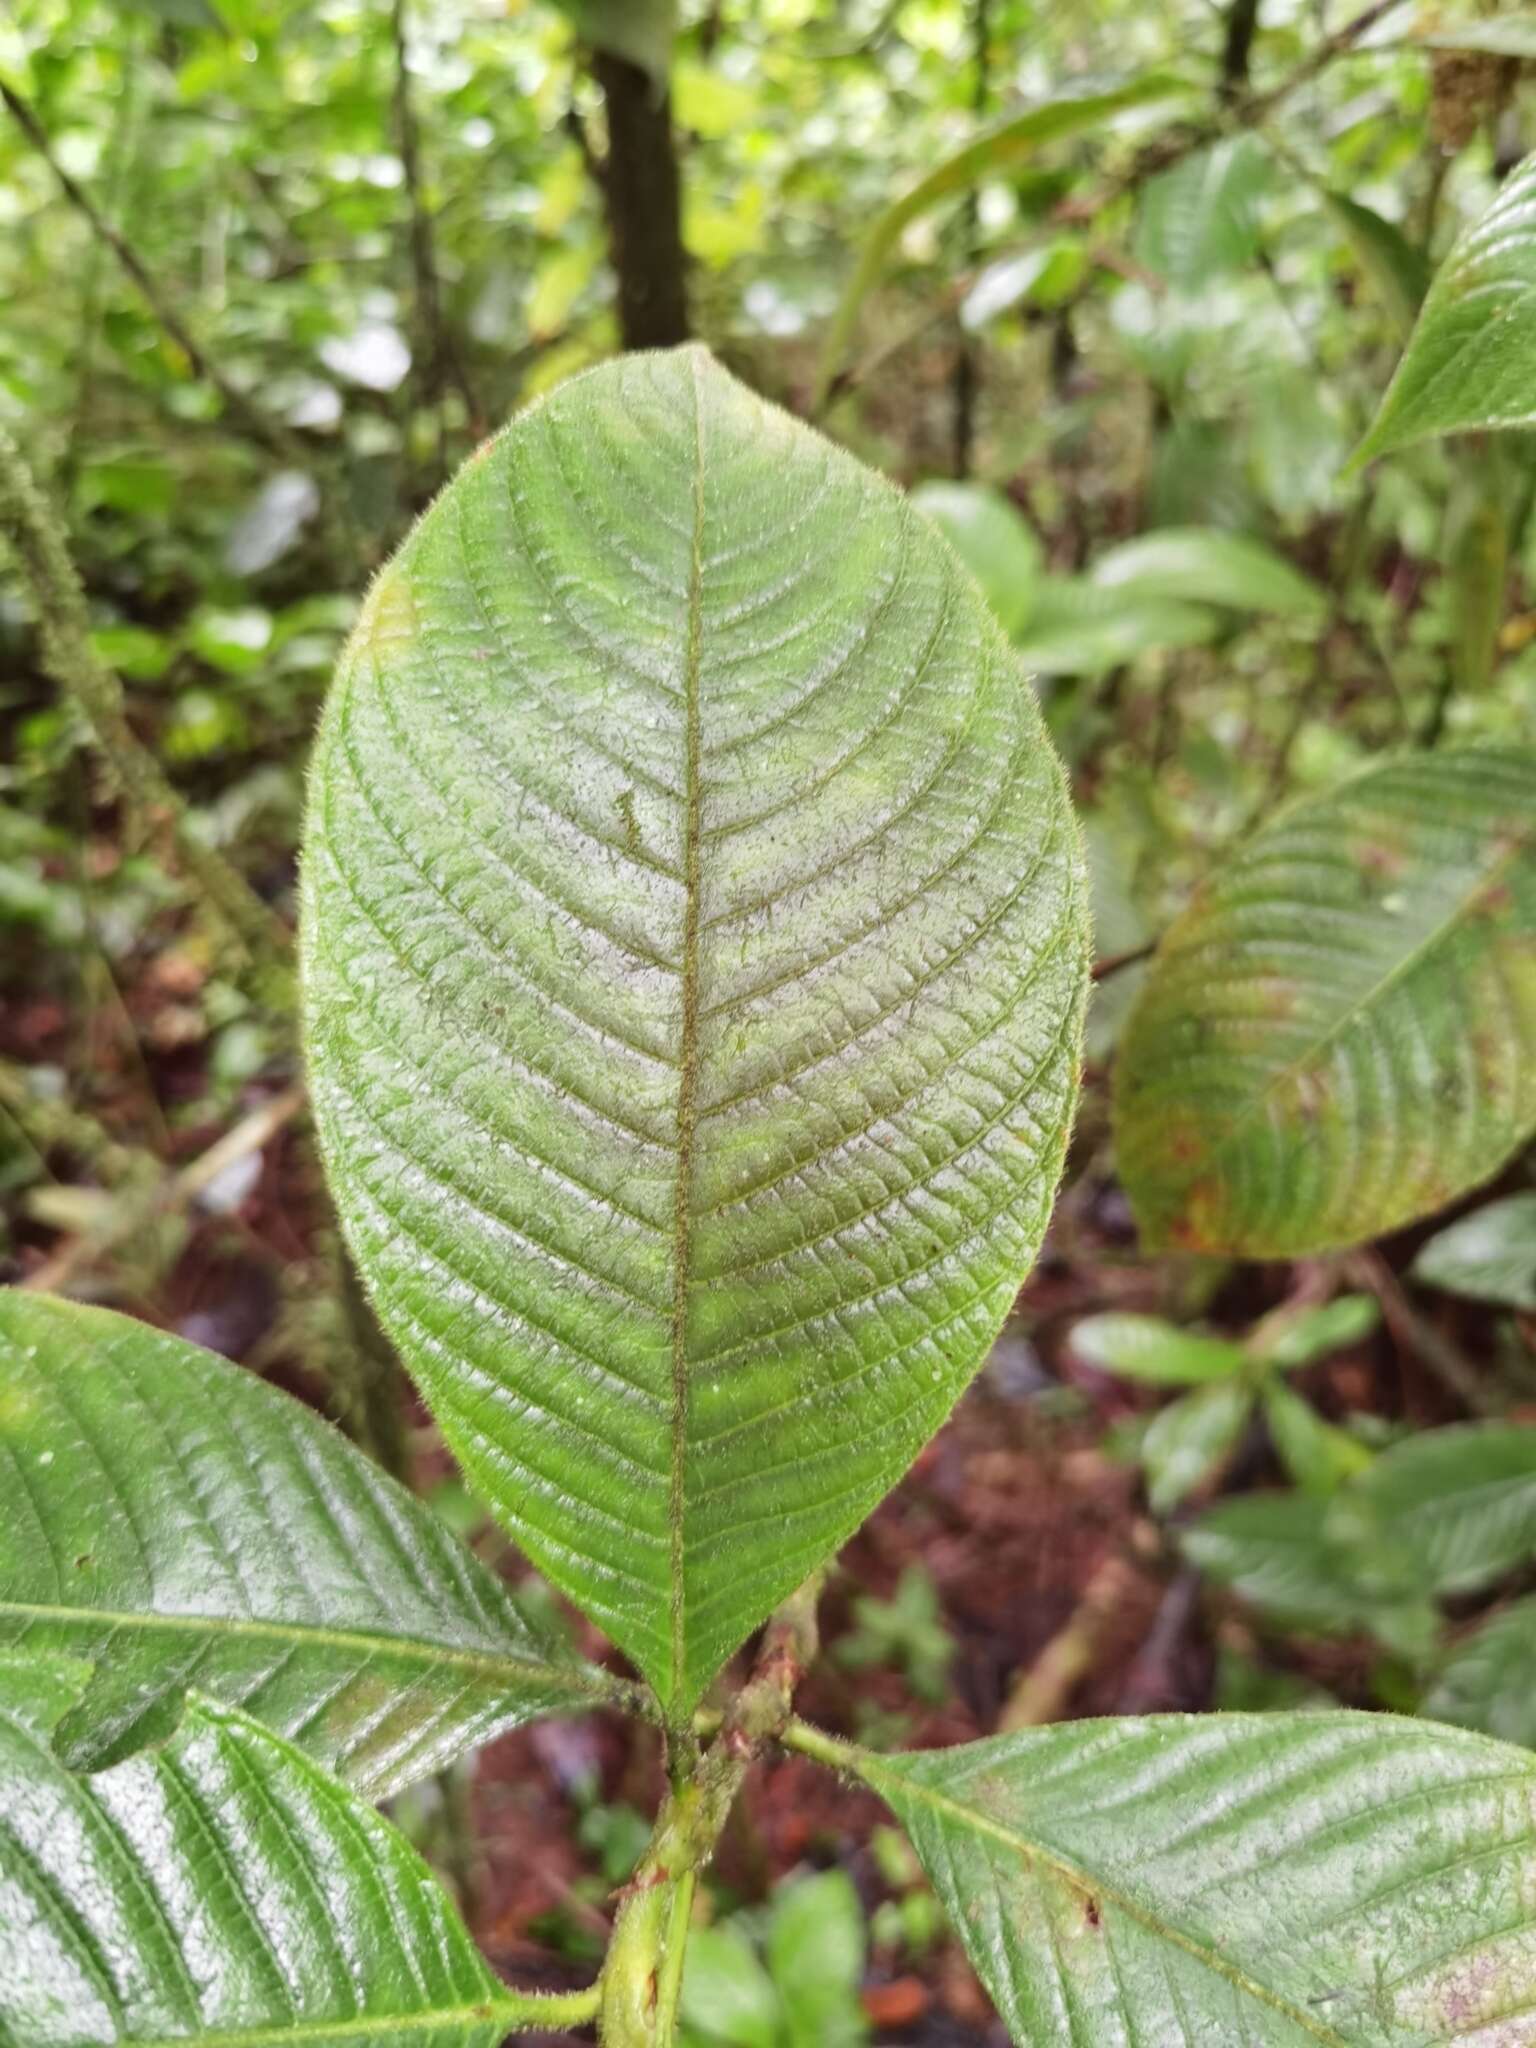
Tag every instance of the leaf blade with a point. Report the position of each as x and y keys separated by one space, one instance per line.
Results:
x=1193 y=1922
x=1335 y=971
x=323 y=1924
x=1468 y=361
x=604 y=1070
x=183 y=1523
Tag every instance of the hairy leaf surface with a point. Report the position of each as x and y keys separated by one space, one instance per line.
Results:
x=220 y=1890
x=1471 y=359
x=165 y=1514
x=1339 y=1034
x=1279 y=1879
x=695 y=959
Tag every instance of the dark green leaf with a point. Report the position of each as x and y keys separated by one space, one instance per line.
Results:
x=1489 y=1680
x=170 y=1517
x=1398 y=271
x=1471 y=359
x=219 y=1890
x=1458 y=1504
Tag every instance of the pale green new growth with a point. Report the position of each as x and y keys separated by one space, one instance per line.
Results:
x=695 y=955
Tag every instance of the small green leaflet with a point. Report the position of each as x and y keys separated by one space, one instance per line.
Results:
x=219 y=1890
x=1339 y=1034
x=1204 y=565
x=165 y=1513
x=1290 y=1879
x=695 y=958
x=1458 y=1505
x=1471 y=359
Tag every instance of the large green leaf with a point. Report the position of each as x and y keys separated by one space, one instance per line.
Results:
x=168 y=1515
x=989 y=155
x=1286 y=1879
x=695 y=958
x=1339 y=1034
x=1471 y=359
x=1457 y=1505
x=1204 y=565
x=218 y=1890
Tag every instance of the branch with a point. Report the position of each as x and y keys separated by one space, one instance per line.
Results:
x=175 y=1191
x=443 y=363
x=33 y=529
x=255 y=422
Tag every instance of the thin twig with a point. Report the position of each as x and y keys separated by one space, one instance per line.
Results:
x=1369 y=1270
x=256 y=423
x=1114 y=963
x=33 y=528
x=442 y=364
x=176 y=1191
x=1042 y=1693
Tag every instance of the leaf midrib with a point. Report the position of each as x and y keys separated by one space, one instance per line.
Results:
x=419 y=1648
x=688 y=1077
x=958 y=1813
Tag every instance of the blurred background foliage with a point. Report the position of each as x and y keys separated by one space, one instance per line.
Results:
x=272 y=271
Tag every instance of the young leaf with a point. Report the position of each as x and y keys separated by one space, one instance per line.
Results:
x=990 y=155
x=1487 y=1256
x=1459 y=1504
x=1288 y=1878
x=1188 y=1439
x=815 y=1944
x=1147 y=1348
x=167 y=1514
x=728 y=1996
x=991 y=536
x=1339 y=1034
x=1488 y=1682
x=1203 y=565
x=1198 y=220
x=695 y=959
x=1302 y=1338
x=1399 y=272
x=1074 y=628
x=1278 y=1552
x=1471 y=359
x=1318 y=1457
x=220 y=1889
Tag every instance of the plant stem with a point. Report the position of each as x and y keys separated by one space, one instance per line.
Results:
x=255 y=422
x=643 y=1973
x=35 y=533
x=522 y=2011
x=642 y=193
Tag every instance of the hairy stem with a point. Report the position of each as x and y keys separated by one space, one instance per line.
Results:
x=34 y=531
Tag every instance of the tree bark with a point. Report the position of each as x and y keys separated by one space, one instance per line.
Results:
x=643 y=196
x=1242 y=25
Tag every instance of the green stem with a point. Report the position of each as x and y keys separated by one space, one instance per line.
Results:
x=521 y=2011
x=42 y=553
x=822 y=1748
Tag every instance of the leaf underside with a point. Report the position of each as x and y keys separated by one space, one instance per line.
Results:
x=220 y=1891
x=1339 y=1034
x=167 y=1516
x=695 y=957
x=1237 y=1880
